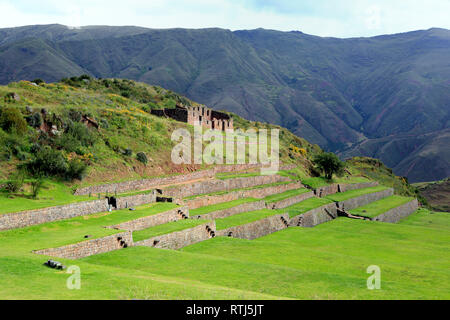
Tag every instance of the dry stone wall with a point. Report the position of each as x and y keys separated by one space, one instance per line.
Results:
x=146 y=184
x=257 y=229
x=154 y=220
x=180 y=239
x=234 y=195
x=396 y=214
x=315 y=216
x=360 y=201
x=290 y=201
x=355 y=186
x=342 y=187
x=90 y=247
x=39 y=216
x=245 y=207
x=211 y=186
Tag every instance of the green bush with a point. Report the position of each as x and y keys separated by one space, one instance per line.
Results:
x=142 y=157
x=36 y=186
x=76 y=170
x=15 y=183
x=11 y=119
x=34 y=120
x=48 y=162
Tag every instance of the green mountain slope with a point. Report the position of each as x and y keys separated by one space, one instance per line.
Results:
x=338 y=93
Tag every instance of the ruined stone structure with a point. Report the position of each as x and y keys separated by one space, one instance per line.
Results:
x=153 y=220
x=396 y=214
x=146 y=184
x=181 y=239
x=38 y=216
x=201 y=115
x=259 y=193
x=257 y=229
x=245 y=207
x=290 y=201
x=209 y=186
x=315 y=216
x=363 y=200
x=90 y=247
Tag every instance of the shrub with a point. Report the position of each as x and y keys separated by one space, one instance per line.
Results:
x=75 y=115
x=15 y=183
x=142 y=157
x=34 y=120
x=128 y=152
x=48 y=162
x=76 y=170
x=38 y=81
x=11 y=119
x=36 y=186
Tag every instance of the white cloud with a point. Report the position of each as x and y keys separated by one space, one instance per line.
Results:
x=344 y=18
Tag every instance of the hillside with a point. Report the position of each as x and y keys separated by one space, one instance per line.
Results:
x=204 y=234
x=84 y=131
x=385 y=97
x=436 y=193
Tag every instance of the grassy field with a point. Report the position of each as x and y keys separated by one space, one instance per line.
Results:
x=220 y=206
x=166 y=228
x=52 y=194
x=244 y=218
x=285 y=195
x=325 y=262
x=376 y=208
x=354 y=193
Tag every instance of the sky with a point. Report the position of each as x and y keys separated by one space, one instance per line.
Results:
x=328 y=18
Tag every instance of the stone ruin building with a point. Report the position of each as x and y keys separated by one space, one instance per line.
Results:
x=201 y=115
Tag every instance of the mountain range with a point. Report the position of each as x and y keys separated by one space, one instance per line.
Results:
x=386 y=97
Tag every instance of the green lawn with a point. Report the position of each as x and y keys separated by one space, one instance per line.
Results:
x=306 y=206
x=220 y=206
x=244 y=218
x=342 y=196
x=52 y=194
x=376 y=208
x=425 y=218
x=325 y=262
x=285 y=195
x=166 y=228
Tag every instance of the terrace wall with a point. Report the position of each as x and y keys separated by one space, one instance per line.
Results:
x=290 y=201
x=39 y=216
x=211 y=186
x=315 y=216
x=234 y=195
x=245 y=207
x=396 y=214
x=153 y=220
x=146 y=184
x=89 y=247
x=256 y=229
x=360 y=201
x=180 y=239
x=342 y=187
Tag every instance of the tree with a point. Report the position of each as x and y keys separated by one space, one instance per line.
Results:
x=329 y=164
